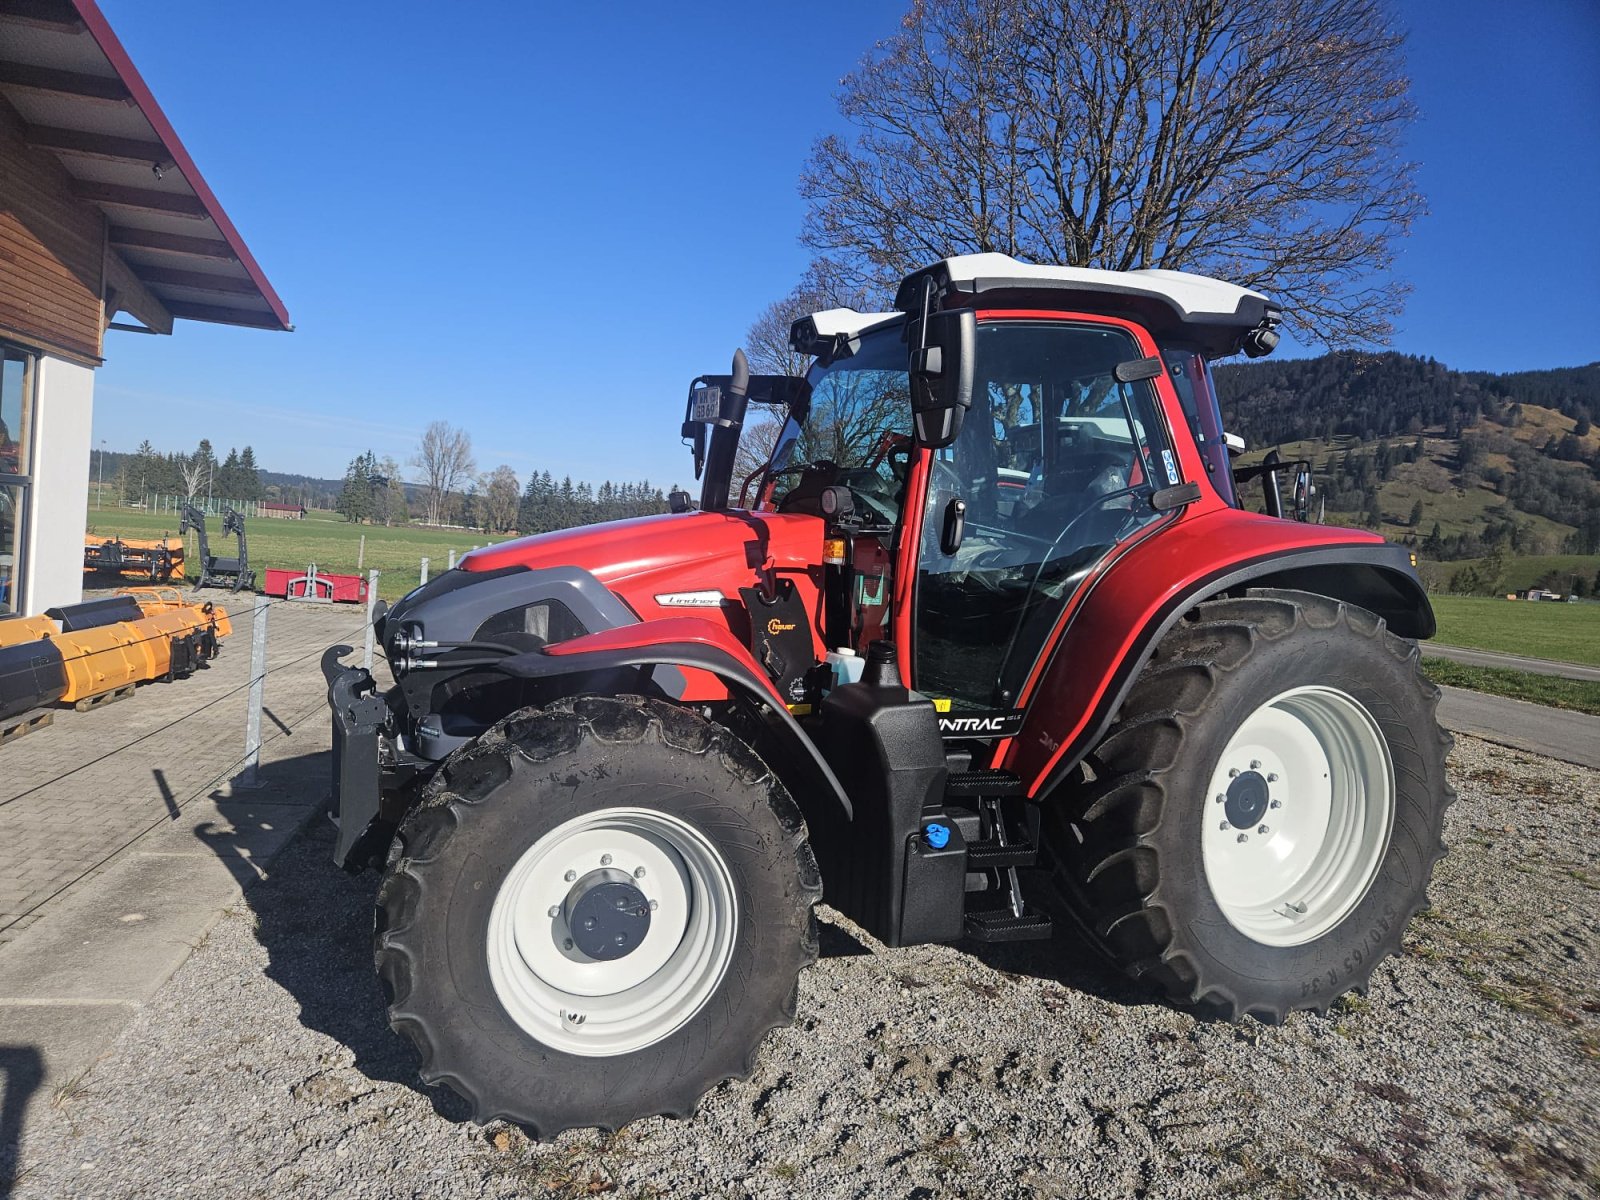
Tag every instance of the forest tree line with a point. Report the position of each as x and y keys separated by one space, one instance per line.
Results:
x=448 y=489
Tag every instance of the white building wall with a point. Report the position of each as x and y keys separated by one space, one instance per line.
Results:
x=59 y=505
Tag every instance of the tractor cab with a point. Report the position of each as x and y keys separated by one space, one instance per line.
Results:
x=980 y=453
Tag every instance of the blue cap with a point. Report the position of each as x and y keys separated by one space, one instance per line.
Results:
x=938 y=836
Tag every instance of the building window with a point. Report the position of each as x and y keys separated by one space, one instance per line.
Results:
x=16 y=442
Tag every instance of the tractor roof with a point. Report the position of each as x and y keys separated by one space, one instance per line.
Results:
x=1216 y=315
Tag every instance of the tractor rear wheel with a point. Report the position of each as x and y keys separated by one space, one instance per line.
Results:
x=597 y=912
x=1261 y=820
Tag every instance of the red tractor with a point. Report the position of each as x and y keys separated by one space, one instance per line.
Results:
x=988 y=639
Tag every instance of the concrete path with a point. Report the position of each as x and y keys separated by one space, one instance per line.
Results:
x=1570 y=736
x=1514 y=662
x=122 y=839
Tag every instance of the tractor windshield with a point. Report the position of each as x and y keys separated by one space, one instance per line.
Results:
x=857 y=428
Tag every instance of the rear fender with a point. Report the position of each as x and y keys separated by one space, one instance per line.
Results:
x=693 y=642
x=1375 y=576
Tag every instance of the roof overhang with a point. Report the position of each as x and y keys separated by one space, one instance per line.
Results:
x=77 y=95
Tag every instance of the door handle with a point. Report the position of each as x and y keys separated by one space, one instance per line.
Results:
x=955 y=526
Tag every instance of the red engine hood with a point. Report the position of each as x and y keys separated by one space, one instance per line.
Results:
x=674 y=552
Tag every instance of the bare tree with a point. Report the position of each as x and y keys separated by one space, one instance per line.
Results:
x=195 y=471
x=445 y=458
x=500 y=493
x=767 y=346
x=1255 y=140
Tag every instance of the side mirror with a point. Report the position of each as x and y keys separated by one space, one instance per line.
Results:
x=943 y=346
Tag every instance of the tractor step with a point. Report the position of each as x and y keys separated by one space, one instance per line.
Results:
x=1002 y=925
x=982 y=783
x=990 y=854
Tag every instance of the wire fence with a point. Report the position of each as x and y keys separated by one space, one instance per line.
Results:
x=179 y=720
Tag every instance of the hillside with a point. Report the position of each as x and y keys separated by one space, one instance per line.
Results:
x=1460 y=465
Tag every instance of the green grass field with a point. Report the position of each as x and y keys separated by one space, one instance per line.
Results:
x=1563 y=632
x=323 y=538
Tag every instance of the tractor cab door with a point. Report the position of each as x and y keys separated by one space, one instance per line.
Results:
x=1051 y=470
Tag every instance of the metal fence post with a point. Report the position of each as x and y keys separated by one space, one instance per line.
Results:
x=424 y=578
x=452 y=558
x=249 y=777
x=361 y=554
x=372 y=607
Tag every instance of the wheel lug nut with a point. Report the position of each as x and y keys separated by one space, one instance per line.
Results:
x=1272 y=778
x=1276 y=804
x=638 y=872
x=1221 y=796
x=605 y=860
x=654 y=904
x=566 y=944
x=1233 y=772
x=620 y=940
x=1244 y=837
x=555 y=910
x=1255 y=764
x=570 y=876
x=1263 y=829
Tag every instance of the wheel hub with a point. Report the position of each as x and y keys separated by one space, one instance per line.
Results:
x=1247 y=799
x=640 y=874
x=607 y=915
x=1300 y=807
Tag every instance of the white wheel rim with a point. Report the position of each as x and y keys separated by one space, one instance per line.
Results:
x=1316 y=767
x=597 y=1008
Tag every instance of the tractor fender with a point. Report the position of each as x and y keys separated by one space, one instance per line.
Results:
x=677 y=642
x=1376 y=576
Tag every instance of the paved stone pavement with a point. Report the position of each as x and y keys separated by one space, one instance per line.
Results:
x=73 y=795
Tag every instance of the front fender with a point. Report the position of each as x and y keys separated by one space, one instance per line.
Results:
x=700 y=644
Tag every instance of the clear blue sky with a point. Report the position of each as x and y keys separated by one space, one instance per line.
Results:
x=539 y=222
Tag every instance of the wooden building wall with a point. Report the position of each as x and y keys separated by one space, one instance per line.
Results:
x=52 y=252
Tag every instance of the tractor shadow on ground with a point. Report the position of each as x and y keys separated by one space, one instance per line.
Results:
x=1066 y=958
x=315 y=922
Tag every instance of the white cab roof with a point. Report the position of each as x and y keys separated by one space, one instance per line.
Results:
x=1191 y=295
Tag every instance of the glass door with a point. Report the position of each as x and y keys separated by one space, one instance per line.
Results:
x=16 y=439
x=1055 y=463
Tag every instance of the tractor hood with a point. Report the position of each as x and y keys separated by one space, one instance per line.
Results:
x=645 y=557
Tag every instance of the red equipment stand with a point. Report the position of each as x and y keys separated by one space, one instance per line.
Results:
x=315 y=587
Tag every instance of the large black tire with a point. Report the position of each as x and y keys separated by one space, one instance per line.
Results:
x=495 y=799
x=1125 y=842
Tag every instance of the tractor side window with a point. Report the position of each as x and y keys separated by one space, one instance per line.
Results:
x=1191 y=379
x=1054 y=474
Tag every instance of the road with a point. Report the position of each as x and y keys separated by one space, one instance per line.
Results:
x=1515 y=662
x=1569 y=736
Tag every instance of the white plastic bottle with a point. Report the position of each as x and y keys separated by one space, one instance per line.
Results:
x=846 y=664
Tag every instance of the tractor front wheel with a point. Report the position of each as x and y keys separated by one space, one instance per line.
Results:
x=1260 y=823
x=597 y=912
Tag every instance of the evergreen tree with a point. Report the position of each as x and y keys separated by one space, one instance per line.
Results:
x=249 y=477
x=355 y=497
x=1416 y=514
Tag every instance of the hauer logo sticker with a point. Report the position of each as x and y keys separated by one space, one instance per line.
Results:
x=987 y=724
x=775 y=627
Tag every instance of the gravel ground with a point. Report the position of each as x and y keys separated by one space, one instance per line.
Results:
x=1472 y=1069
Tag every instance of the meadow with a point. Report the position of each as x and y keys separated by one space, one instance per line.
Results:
x=1538 y=629
x=324 y=538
